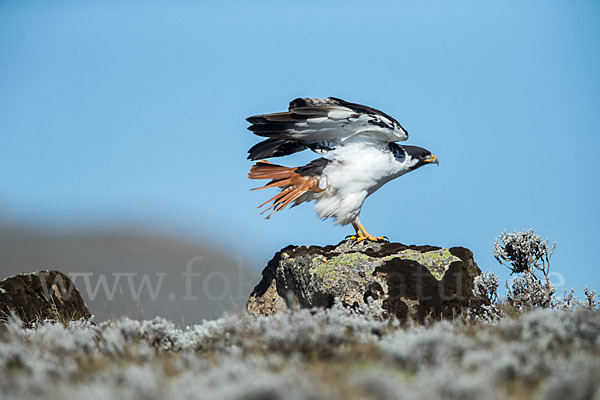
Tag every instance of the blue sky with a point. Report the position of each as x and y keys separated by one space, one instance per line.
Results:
x=132 y=114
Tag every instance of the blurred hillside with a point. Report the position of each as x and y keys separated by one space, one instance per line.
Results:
x=134 y=273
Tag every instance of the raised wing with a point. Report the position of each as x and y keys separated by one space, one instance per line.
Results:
x=321 y=124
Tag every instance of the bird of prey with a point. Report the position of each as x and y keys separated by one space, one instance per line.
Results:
x=359 y=155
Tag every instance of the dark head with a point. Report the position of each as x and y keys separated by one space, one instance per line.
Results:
x=420 y=155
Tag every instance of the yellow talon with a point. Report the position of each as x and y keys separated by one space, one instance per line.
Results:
x=371 y=238
x=362 y=234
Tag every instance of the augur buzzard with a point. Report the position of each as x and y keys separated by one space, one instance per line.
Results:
x=359 y=155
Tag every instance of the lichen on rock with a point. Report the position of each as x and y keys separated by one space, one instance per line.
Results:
x=407 y=281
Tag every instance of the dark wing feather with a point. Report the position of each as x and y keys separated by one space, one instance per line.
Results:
x=311 y=122
x=274 y=148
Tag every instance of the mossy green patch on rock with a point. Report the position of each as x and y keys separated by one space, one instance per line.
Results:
x=320 y=267
x=436 y=261
x=324 y=268
x=349 y=259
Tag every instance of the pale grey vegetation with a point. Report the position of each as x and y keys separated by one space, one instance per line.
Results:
x=306 y=354
x=527 y=345
x=524 y=252
x=528 y=256
x=485 y=287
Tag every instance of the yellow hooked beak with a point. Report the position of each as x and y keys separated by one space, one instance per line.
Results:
x=432 y=159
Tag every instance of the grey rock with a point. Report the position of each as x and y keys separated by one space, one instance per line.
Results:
x=416 y=282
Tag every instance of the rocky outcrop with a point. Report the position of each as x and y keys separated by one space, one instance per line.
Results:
x=407 y=281
x=41 y=295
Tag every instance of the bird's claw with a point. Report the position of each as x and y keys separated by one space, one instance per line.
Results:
x=377 y=239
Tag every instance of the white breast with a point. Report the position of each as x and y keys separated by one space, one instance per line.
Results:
x=357 y=170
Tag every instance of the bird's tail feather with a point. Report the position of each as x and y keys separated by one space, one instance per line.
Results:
x=292 y=183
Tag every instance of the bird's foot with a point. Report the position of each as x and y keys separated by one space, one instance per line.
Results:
x=377 y=239
x=360 y=238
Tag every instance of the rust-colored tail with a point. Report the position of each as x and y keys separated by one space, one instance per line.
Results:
x=292 y=183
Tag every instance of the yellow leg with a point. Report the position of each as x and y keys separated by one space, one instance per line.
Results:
x=367 y=236
x=362 y=234
x=358 y=234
